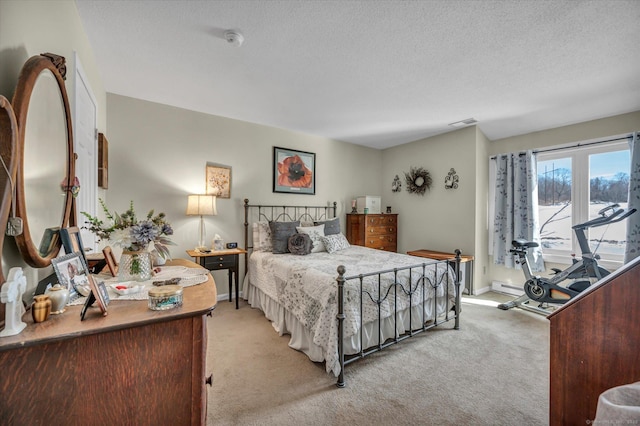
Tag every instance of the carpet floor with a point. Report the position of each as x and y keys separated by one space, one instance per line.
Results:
x=493 y=371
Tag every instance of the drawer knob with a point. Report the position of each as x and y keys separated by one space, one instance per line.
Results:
x=209 y=380
x=221 y=259
x=220 y=265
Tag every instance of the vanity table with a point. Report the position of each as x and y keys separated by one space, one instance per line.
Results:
x=133 y=366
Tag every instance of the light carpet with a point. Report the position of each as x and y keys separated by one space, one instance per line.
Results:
x=493 y=371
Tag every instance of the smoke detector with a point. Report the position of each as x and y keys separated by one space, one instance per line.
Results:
x=234 y=38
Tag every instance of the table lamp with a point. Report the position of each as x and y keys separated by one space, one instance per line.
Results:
x=201 y=205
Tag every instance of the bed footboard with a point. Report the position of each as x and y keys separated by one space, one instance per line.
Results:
x=430 y=277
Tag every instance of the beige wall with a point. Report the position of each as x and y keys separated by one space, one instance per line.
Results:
x=28 y=28
x=605 y=127
x=158 y=155
x=442 y=219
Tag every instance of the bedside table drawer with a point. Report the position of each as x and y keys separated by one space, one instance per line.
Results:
x=219 y=262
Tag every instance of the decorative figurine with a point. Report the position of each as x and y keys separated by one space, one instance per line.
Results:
x=11 y=294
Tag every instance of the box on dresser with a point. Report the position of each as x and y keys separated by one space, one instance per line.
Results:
x=378 y=231
x=372 y=203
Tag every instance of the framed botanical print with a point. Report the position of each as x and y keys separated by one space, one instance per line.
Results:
x=219 y=181
x=294 y=171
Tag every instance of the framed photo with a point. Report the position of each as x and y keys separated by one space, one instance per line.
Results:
x=294 y=171
x=111 y=260
x=98 y=295
x=219 y=181
x=72 y=241
x=71 y=271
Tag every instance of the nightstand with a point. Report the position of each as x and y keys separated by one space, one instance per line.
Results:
x=218 y=260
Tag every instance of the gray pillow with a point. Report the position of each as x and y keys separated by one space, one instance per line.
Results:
x=280 y=233
x=331 y=227
x=300 y=244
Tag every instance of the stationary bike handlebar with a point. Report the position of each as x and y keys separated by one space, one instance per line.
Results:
x=617 y=215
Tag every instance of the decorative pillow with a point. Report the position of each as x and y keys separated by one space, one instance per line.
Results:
x=280 y=233
x=262 y=237
x=315 y=233
x=336 y=242
x=300 y=244
x=331 y=227
x=306 y=223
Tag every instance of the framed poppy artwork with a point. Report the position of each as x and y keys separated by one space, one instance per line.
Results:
x=294 y=171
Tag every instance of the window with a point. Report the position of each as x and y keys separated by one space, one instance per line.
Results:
x=573 y=185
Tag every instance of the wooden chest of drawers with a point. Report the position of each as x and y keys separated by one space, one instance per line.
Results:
x=378 y=231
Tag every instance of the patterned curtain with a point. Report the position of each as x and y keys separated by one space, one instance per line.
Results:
x=516 y=208
x=633 y=222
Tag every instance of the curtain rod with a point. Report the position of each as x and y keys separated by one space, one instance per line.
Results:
x=577 y=145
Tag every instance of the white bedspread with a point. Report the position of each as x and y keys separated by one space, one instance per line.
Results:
x=306 y=287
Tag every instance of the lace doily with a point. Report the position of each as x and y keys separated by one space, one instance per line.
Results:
x=188 y=277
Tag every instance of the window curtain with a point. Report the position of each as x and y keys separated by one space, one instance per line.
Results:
x=632 y=249
x=516 y=208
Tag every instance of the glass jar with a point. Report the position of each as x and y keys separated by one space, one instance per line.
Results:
x=165 y=297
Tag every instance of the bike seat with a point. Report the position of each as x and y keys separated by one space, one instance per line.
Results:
x=523 y=243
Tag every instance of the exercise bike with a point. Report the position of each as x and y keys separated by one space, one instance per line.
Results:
x=582 y=272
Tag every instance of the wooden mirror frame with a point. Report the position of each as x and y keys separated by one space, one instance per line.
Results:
x=8 y=137
x=26 y=82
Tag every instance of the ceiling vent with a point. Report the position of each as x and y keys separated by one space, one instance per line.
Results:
x=463 y=123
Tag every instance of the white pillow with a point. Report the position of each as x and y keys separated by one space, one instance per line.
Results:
x=315 y=233
x=335 y=242
x=262 y=237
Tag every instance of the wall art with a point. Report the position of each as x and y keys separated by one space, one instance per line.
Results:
x=294 y=171
x=219 y=181
x=418 y=180
x=451 y=180
x=396 y=185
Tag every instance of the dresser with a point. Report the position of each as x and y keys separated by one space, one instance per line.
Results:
x=133 y=366
x=378 y=231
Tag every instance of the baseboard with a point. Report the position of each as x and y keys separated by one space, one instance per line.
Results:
x=501 y=287
x=479 y=291
x=225 y=296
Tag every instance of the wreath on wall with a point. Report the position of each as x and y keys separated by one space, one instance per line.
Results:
x=418 y=180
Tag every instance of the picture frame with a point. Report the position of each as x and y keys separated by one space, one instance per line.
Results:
x=99 y=295
x=49 y=241
x=72 y=241
x=111 y=260
x=71 y=271
x=218 y=181
x=294 y=171
x=103 y=161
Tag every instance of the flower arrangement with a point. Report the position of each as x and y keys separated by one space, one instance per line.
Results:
x=126 y=231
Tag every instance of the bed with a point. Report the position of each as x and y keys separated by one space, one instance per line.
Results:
x=343 y=302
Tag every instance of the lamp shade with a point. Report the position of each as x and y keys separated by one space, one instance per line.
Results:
x=201 y=205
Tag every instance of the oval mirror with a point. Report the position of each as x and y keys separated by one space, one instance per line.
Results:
x=45 y=158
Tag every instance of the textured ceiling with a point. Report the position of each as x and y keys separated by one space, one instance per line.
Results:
x=375 y=73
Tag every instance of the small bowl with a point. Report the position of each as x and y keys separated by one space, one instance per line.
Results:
x=127 y=287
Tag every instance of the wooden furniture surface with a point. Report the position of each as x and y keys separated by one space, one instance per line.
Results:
x=466 y=262
x=133 y=366
x=595 y=345
x=221 y=259
x=378 y=231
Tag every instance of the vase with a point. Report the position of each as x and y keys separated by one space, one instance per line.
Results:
x=135 y=266
x=40 y=308
x=59 y=297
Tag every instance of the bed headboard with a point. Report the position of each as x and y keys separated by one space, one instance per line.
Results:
x=263 y=212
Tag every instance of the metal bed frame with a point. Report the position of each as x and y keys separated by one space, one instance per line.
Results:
x=423 y=280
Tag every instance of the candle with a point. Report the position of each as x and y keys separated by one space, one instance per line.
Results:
x=353 y=204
